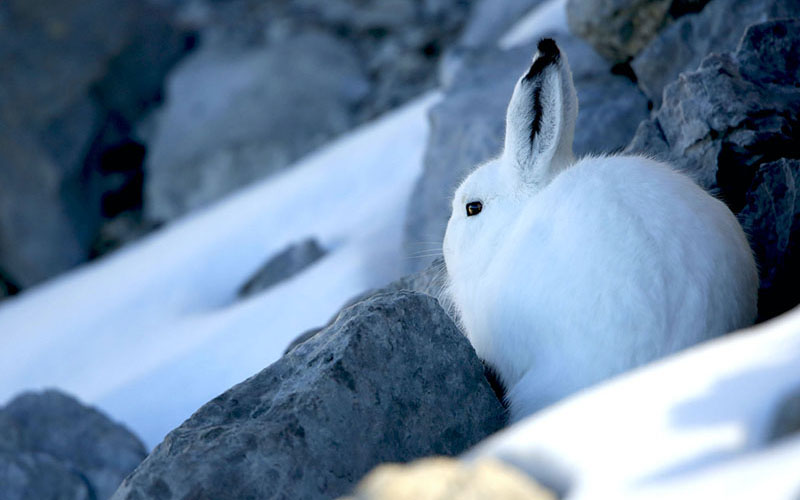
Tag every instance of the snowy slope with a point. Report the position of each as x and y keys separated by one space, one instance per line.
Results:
x=154 y=331
x=691 y=426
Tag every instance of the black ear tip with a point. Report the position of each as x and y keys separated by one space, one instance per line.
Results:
x=548 y=48
x=548 y=55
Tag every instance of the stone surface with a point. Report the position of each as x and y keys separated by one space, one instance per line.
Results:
x=723 y=123
x=618 y=29
x=260 y=108
x=283 y=266
x=446 y=479
x=51 y=446
x=60 y=110
x=391 y=380
x=718 y=28
x=771 y=218
x=467 y=126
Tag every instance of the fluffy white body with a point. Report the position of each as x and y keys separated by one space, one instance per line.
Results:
x=573 y=271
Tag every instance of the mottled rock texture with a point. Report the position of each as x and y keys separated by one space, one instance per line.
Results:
x=718 y=28
x=618 y=29
x=727 y=124
x=390 y=381
x=51 y=446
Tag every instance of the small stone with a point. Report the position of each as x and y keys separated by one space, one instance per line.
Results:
x=283 y=266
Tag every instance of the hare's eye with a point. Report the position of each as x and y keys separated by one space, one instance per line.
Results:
x=474 y=208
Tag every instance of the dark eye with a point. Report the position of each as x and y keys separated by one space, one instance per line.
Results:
x=474 y=208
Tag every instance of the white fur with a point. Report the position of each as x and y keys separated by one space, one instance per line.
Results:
x=575 y=271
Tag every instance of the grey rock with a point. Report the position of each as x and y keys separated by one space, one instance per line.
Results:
x=786 y=418
x=683 y=45
x=771 y=218
x=57 y=109
x=52 y=443
x=283 y=266
x=726 y=124
x=390 y=381
x=35 y=476
x=467 y=126
x=618 y=29
x=260 y=109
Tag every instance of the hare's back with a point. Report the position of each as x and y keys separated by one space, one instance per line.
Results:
x=627 y=247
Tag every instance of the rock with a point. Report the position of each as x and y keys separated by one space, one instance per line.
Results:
x=283 y=266
x=786 y=419
x=771 y=219
x=446 y=479
x=31 y=476
x=391 y=380
x=54 y=447
x=60 y=110
x=735 y=115
x=260 y=109
x=718 y=28
x=618 y=29
x=467 y=126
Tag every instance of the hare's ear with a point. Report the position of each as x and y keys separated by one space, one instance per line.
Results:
x=540 y=123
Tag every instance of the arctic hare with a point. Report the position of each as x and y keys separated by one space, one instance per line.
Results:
x=564 y=272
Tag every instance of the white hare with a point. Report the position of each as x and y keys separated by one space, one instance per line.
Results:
x=564 y=272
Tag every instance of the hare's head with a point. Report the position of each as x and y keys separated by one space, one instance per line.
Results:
x=540 y=125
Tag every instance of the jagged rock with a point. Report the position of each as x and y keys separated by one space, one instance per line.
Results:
x=283 y=266
x=60 y=109
x=771 y=219
x=391 y=380
x=718 y=28
x=447 y=479
x=618 y=29
x=722 y=123
x=467 y=126
x=51 y=446
x=260 y=109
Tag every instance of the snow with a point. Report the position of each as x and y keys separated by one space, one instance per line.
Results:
x=152 y=332
x=690 y=426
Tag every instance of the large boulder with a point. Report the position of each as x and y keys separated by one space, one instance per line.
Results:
x=618 y=29
x=467 y=126
x=726 y=124
x=260 y=108
x=681 y=46
x=51 y=446
x=60 y=111
x=391 y=380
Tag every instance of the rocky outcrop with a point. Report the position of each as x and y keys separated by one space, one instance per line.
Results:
x=447 y=479
x=391 y=380
x=681 y=46
x=283 y=266
x=51 y=446
x=618 y=29
x=729 y=120
x=77 y=83
x=260 y=107
x=467 y=126
x=771 y=219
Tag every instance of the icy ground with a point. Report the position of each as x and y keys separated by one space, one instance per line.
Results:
x=152 y=332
